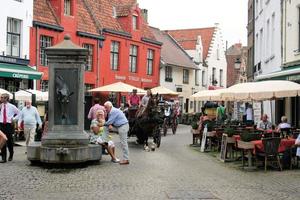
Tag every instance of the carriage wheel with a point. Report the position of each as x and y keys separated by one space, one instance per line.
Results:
x=165 y=127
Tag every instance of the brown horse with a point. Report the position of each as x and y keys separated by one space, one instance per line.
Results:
x=147 y=122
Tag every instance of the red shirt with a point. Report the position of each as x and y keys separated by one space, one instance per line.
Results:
x=134 y=100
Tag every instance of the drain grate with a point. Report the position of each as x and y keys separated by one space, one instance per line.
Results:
x=190 y=194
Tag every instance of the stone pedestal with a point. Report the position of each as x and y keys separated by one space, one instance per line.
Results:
x=66 y=141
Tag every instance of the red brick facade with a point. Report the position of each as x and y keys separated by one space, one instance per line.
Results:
x=98 y=23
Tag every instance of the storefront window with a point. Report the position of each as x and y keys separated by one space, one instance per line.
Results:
x=44 y=86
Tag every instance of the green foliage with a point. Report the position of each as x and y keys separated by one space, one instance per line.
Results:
x=247 y=136
x=229 y=131
x=195 y=125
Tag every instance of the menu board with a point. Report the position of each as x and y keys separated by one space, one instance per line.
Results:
x=257 y=111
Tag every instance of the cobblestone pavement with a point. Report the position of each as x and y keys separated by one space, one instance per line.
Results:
x=174 y=171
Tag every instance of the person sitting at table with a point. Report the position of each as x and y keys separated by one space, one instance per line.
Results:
x=264 y=124
x=283 y=124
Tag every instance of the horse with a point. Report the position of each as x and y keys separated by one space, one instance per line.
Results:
x=63 y=96
x=147 y=122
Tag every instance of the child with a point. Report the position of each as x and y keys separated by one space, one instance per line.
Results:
x=99 y=136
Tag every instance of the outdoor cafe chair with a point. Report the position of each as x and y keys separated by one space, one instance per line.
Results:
x=271 y=153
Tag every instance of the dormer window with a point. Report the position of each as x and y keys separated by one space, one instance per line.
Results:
x=67 y=7
x=134 y=22
x=114 y=12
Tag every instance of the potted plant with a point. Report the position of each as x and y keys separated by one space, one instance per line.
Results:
x=229 y=132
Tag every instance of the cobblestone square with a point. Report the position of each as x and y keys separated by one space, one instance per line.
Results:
x=174 y=171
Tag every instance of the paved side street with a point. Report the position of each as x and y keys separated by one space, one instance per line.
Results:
x=175 y=171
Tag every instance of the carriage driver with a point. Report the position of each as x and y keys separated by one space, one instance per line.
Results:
x=134 y=99
x=117 y=122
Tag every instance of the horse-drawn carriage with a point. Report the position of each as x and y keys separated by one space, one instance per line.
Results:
x=145 y=122
x=170 y=117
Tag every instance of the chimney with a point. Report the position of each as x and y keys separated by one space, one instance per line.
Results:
x=145 y=14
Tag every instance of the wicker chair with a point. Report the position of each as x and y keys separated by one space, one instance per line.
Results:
x=271 y=151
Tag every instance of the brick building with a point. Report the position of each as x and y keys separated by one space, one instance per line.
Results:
x=122 y=48
x=236 y=53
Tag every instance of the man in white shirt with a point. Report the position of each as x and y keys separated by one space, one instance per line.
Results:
x=30 y=116
x=7 y=112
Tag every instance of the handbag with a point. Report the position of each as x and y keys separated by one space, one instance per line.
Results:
x=3 y=139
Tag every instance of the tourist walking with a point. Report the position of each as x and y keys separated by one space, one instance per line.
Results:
x=30 y=117
x=117 y=122
x=7 y=112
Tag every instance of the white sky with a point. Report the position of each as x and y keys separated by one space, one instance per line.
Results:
x=180 y=14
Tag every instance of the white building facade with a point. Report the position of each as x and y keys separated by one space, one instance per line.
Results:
x=206 y=47
x=15 y=22
x=267 y=48
x=216 y=70
x=18 y=15
x=277 y=54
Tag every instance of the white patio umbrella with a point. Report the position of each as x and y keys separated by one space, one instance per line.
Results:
x=40 y=96
x=162 y=90
x=264 y=90
x=209 y=95
x=2 y=91
x=117 y=87
x=22 y=95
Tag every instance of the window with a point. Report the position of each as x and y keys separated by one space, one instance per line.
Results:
x=218 y=53
x=89 y=63
x=256 y=8
x=45 y=41
x=114 y=55
x=261 y=6
x=203 y=78
x=67 y=7
x=13 y=37
x=150 y=56
x=12 y=86
x=213 y=81
x=191 y=104
x=88 y=87
x=168 y=74
x=134 y=22
x=221 y=78
x=186 y=76
x=261 y=44
x=273 y=34
x=114 y=12
x=133 y=58
x=197 y=76
x=268 y=39
x=44 y=86
x=2 y=83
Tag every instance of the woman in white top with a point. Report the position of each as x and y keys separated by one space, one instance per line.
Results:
x=283 y=124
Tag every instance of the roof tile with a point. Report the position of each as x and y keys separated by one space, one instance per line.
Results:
x=43 y=12
x=171 y=52
x=187 y=38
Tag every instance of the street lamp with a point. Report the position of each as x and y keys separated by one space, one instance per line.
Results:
x=237 y=64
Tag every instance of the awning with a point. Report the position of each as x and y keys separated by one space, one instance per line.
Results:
x=19 y=71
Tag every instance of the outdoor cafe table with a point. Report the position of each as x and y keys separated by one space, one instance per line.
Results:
x=252 y=146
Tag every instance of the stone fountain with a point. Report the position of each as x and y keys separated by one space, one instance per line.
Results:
x=66 y=141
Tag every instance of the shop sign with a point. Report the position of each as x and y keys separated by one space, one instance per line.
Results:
x=133 y=78
x=23 y=76
x=145 y=80
x=120 y=77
